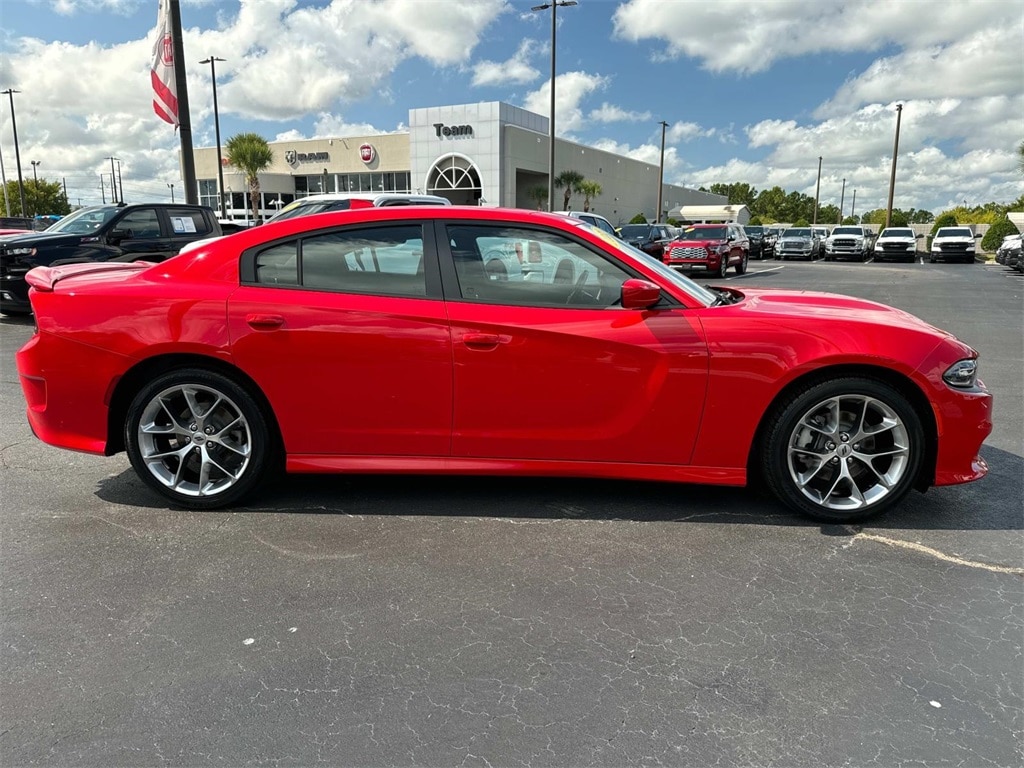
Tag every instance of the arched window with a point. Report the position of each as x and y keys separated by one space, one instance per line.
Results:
x=457 y=178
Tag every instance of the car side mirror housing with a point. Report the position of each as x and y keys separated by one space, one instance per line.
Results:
x=918 y=236
x=640 y=294
x=117 y=235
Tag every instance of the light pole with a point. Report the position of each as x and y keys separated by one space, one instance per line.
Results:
x=842 y=198
x=853 y=205
x=17 y=154
x=172 y=191
x=3 y=178
x=892 y=174
x=212 y=61
x=35 y=186
x=114 y=198
x=817 y=191
x=661 y=172
x=551 y=119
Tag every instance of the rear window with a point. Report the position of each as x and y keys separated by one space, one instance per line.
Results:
x=188 y=221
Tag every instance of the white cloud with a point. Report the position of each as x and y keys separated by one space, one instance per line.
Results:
x=515 y=70
x=744 y=36
x=609 y=113
x=681 y=132
x=570 y=90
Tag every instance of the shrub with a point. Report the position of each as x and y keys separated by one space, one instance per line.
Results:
x=638 y=219
x=994 y=237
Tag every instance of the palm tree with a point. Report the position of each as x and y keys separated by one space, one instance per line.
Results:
x=250 y=153
x=589 y=189
x=570 y=180
x=539 y=195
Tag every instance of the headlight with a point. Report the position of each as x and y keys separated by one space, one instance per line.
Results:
x=962 y=374
x=21 y=252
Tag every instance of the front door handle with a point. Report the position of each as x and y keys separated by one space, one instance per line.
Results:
x=484 y=340
x=264 y=322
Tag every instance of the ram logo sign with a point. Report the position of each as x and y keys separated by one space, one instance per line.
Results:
x=295 y=158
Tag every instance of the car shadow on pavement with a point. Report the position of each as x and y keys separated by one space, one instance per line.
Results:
x=993 y=503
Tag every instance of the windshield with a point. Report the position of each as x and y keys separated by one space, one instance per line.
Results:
x=754 y=230
x=85 y=221
x=847 y=231
x=898 y=233
x=308 y=208
x=958 y=232
x=635 y=231
x=703 y=233
x=797 y=232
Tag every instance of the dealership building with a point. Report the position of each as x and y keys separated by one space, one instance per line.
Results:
x=489 y=154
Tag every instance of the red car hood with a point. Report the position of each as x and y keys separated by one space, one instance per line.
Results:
x=808 y=305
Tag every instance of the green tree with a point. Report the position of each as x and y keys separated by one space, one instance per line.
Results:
x=994 y=237
x=250 y=153
x=802 y=223
x=852 y=220
x=828 y=214
x=638 y=219
x=42 y=198
x=947 y=219
x=569 y=181
x=739 y=193
x=589 y=189
x=755 y=221
x=539 y=195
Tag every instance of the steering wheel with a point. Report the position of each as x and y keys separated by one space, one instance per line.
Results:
x=577 y=289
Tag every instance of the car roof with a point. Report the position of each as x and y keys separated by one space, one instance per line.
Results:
x=372 y=196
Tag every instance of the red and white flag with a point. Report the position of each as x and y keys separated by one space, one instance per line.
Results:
x=165 y=99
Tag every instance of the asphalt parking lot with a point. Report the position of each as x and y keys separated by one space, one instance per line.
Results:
x=362 y=621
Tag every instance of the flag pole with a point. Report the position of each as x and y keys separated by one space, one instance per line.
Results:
x=188 y=161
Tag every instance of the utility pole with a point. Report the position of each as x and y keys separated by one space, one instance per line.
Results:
x=169 y=184
x=892 y=175
x=842 y=198
x=817 y=191
x=17 y=154
x=103 y=190
x=113 y=180
x=3 y=178
x=212 y=61
x=853 y=207
x=188 y=160
x=661 y=173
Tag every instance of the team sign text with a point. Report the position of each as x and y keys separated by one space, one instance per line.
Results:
x=453 y=130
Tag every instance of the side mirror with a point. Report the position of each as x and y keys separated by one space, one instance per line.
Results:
x=639 y=294
x=117 y=235
x=977 y=235
x=918 y=236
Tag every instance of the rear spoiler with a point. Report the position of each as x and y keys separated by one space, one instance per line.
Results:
x=45 y=278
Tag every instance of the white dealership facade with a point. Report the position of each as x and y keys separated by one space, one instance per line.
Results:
x=489 y=154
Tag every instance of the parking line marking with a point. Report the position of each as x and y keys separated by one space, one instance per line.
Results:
x=937 y=554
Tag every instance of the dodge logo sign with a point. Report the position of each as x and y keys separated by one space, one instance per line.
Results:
x=295 y=158
x=289 y=156
x=367 y=153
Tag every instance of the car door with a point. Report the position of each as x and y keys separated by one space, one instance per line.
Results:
x=137 y=235
x=553 y=369
x=345 y=332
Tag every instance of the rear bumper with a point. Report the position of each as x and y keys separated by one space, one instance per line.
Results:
x=64 y=407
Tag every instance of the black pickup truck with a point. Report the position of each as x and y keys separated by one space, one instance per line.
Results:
x=146 y=231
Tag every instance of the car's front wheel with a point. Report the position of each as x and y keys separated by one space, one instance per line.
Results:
x=844 y=449
x=741 y=268
x=198 y=438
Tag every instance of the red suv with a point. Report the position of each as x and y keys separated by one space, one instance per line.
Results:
x=713 y=247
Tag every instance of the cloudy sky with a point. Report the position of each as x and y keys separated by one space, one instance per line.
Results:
x=753 y=91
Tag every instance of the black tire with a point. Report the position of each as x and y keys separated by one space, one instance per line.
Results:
x=847 y=474
x=723 y=266
x=217 y=428
x=741 y=268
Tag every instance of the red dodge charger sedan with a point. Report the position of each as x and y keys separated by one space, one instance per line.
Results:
x=376 y=341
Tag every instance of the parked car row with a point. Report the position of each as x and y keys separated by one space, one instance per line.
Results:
x=1009 y=253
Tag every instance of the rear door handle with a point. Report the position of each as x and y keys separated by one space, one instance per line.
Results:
x=264 y=322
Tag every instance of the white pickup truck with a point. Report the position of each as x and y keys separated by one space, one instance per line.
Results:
x=848 y=242
x=954 y=244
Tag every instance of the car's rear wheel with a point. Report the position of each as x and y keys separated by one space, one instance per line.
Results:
x=843 y=450
x=198 y=438
x=742 y=266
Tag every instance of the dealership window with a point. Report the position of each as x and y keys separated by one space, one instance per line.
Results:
x=208 y=193
x=388 y=181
